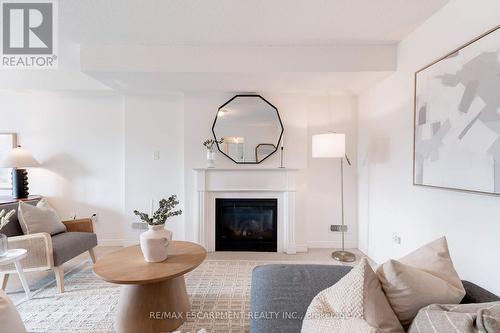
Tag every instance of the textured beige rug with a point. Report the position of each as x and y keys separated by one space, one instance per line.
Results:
x=219 y=291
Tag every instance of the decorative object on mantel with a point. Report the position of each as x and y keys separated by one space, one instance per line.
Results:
x=209 y=144
x=332 y=145
x=456 y=132
x=18 y=159
x=282 y=151
x=4 y=220
x=154 y=242
x=251 y=127
x=8 y=141
x=281 y=157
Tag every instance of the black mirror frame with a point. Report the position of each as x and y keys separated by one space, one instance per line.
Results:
x=279 y=119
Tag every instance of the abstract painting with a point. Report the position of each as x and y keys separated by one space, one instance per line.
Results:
x=457 y=118
x=7 y=142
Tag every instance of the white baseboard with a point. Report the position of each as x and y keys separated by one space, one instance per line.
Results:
x=301 y=247
x=130 y=242
x=331 y=245
x=110 y=242
x=363 y=249
x=298 y=247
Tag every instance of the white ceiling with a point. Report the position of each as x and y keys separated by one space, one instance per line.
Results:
x=242 y=22
x=210 y=24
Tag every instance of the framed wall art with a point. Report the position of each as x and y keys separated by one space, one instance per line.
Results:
x=7 y=142
x=457 y=118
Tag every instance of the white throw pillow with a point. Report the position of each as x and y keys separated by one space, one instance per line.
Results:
x=425 y=276
x=10 y=320
x=355 y=304
x=39 y=218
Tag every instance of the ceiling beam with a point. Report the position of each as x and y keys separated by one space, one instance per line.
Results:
x=238 y=59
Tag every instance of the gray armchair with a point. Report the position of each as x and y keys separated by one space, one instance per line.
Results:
x=46 y=252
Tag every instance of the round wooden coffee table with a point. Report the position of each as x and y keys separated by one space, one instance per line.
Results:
x=153 y=297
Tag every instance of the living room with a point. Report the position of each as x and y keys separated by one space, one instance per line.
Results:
x=237 y=166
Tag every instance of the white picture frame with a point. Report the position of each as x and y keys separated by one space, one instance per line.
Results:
x=457 y=119
x=8 y=141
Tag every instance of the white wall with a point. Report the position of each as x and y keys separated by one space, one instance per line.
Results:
x=387 y=200
x=336 y=114
x=153 y=124
x=98 y=154
x=318 y=191
x=78 y=138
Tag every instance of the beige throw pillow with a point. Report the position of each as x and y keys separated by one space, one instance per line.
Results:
x=39 y=218
x=355 y=304
x=10 y=321
x=463 y=318
x=423 y=277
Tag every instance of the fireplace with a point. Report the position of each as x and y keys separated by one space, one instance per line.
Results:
x=246 y=225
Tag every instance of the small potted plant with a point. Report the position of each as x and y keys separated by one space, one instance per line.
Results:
x=4 y=220
x=209 y=144
x=154 y=242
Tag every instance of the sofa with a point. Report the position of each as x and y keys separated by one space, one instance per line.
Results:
x=46 y=252
x=281 y=294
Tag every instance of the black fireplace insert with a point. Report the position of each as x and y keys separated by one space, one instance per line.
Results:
x=246 y=225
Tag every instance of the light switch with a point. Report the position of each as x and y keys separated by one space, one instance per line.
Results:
x=156 y=155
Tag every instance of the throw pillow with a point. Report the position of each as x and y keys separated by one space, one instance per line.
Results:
x=354 y=304
x=465 y=318
x=425 y=276
x=10 y=320
x=39 y=218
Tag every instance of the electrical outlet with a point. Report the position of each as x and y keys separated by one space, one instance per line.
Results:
x=156 y=155
x=338 y=228
x=396 y=238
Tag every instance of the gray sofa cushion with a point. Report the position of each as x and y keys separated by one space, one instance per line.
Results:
x=68 y=245
x=280 y=294
x=476 y=294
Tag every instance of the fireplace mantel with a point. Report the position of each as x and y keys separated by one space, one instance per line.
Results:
x=247 y=182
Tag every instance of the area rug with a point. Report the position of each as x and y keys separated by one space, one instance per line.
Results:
x=219 y=291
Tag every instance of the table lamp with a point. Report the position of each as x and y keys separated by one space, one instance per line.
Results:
x=332 y=145
x=18 y=159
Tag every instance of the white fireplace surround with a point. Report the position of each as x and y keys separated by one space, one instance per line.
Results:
x=246 y=182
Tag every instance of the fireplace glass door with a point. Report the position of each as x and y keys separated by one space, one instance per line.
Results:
x=246 y=225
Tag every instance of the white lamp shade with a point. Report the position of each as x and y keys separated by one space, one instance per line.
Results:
x=329 y=145
x=19 y=158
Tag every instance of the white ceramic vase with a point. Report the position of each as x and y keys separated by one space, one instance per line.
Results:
x=210 y=158
x=154 y=243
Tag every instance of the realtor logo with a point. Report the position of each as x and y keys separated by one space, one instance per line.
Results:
x=28 y=30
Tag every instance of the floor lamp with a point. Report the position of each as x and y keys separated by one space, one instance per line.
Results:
x=332 y=145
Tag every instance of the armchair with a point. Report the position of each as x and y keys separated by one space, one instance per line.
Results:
x=46 y=252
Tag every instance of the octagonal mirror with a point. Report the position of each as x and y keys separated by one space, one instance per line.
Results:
x=250 y=127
